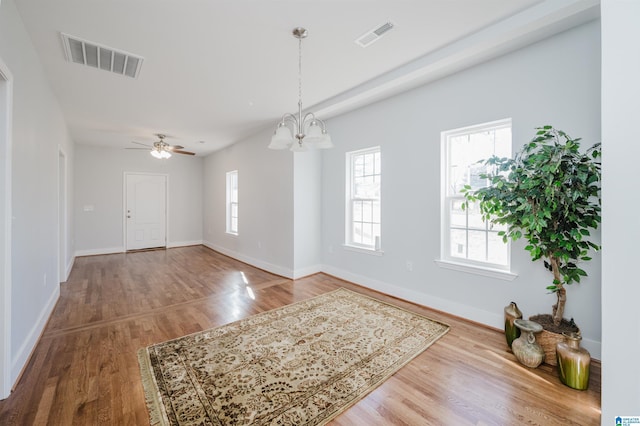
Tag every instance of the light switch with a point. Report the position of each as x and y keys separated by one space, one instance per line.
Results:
x=88 y=208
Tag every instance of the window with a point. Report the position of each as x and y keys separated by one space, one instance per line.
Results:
x=363 y=199
x=232 y=202
x=466 y=238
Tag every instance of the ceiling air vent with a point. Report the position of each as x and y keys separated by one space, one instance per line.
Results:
x=97 y=56
x=373 y=35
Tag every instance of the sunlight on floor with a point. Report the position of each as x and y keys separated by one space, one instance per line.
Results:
x=246 y=283
x=518 y=366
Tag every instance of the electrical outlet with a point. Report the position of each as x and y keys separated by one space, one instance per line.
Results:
x=409 y=265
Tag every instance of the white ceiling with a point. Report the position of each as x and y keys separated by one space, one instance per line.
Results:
x=220 y=70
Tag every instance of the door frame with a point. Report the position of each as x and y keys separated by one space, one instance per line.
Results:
x=6 y=220
x=124 y=206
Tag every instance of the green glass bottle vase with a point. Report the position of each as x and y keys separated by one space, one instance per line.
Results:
x=511 y=313
x=574 y=362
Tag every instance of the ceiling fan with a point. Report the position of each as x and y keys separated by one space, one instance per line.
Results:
x=163 y=150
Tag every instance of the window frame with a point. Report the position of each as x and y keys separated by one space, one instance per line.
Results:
x=232 y=203
x=375 y=247
x=446 y=199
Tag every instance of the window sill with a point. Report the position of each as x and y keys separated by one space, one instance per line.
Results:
x=235 y=234
x=478 y=270
x=372 y=252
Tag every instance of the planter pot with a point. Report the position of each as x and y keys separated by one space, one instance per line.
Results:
x=525 y=347
x=550 y=339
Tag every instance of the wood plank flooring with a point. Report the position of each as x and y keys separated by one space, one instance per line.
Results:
x=84 y=370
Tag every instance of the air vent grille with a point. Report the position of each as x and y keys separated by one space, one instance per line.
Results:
x=373 y=34
x=97 y=56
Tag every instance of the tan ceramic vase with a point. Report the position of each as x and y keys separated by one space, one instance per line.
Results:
x=525 y=347
x=511 y=313
x=574 y=362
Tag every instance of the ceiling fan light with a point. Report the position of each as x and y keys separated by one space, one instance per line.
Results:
x=156 y=154
x=165 y=154
x=281 y=138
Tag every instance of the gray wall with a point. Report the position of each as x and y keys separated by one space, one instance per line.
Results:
x=265 y=200
x=557 y=82
x=99 y=182
x=39 y=132
x=620 y=233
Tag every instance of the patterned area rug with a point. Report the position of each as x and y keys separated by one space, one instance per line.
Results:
x=302 y=364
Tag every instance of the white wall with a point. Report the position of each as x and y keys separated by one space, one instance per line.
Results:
x=99 y=182
x=265 y=200
x=39 y=130
x=620 y=233
x=307 y=208
x=557 y=82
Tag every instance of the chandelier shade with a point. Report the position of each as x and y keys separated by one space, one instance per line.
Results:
x=296 y=132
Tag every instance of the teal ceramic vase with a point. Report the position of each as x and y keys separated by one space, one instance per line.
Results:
x=574 y=362
x=511 y=313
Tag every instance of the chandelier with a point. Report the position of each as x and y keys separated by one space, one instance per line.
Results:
x=300 y=133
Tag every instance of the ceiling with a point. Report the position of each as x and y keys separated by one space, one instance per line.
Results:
x=217 y=71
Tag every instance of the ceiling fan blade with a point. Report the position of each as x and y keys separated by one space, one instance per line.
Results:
x=178 y=151
x=174 y=147
x=143 y=144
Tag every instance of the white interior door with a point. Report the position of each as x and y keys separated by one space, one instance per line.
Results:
x=146 y=211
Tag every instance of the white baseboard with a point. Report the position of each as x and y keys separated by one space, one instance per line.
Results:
x=306 y=271
x=69 y=268
x=95 y=252
x=23 y=354
x=484 y=317
x=454 y=308
x=184 y=243
x=269 y=267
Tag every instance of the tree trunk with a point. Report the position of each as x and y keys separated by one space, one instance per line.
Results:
x=561 y=292
x=558 y=308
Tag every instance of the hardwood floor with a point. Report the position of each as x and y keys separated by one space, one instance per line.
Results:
x=85 y=371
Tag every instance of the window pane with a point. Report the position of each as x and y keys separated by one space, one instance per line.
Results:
x=367 y=211
x=458 y=243
x=367 y=234
x=478 y=246
x=497 y=249
x=475 y=219
x=357 y=211
x=458 y=217
x=376 y=232
x=376 y=212
x=357 y=232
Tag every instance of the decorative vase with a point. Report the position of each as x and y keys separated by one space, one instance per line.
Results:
x=574 y=362
x=511 y=313
x=525 y=347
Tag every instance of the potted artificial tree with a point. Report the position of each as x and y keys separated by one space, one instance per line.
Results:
x=550 y=195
